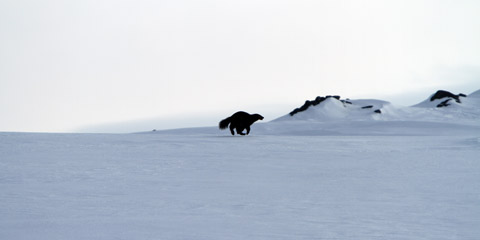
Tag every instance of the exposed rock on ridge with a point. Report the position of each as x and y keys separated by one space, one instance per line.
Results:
x=315 y=102
x=319 y=100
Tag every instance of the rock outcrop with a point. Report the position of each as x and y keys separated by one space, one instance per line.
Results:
x=314 y=102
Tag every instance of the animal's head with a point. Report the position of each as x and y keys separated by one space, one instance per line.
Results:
x=258 y=116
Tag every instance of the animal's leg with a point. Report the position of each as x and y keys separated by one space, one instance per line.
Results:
x=248 y=130
x=240 y=131
x=231 y=129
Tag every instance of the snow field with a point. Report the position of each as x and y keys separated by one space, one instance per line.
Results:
x=214 y=186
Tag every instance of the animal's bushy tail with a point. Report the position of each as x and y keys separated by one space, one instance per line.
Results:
x=224 y=123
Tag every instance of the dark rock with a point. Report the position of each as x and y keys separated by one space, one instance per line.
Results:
x=318 y=100
x=295 y=111
x=377 y=111
x=336 y=97
x=302 y=108
x=309 y=103
x=369 y=106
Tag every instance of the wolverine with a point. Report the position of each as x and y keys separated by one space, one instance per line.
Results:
x=240 y=121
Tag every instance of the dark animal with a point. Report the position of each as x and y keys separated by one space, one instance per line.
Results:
x=239 y=121
x=445 y=94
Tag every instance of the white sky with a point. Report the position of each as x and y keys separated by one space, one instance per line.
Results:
x=68 y=64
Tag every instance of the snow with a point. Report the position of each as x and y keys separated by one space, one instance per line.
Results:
x=475 y=94
x=407 y=173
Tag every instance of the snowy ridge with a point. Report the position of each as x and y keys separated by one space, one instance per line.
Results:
x=369 y=117
x=462 y=110
x=334 y=109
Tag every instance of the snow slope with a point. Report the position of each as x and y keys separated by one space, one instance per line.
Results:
x=335 y=117
x=407 y=173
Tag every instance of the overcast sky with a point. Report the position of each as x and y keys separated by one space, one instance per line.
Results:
x=69 y=64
